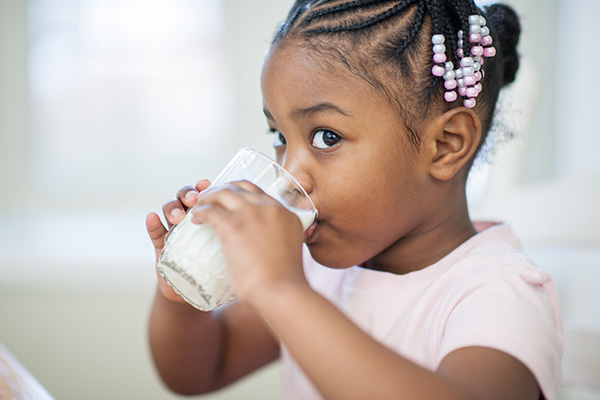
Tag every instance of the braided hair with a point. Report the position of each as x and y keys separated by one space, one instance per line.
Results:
x=388 y=44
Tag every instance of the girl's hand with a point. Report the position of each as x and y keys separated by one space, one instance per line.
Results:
x=174 y=210
x=262 y=240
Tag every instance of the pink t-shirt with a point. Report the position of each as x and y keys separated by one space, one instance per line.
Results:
x=484 y=293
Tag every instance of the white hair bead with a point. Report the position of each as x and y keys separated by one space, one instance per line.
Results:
x=438 y=39
x=439 y=48
x=468 y=71
x=475 y=19
x=466 y=62
x=449 y=75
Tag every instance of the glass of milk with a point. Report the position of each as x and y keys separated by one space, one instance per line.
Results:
x=192 y=262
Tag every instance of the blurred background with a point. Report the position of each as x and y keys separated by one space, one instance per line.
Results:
x=107 y=107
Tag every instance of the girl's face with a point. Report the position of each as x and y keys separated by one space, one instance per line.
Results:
x=348 y=148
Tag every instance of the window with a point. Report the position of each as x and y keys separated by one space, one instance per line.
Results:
x=125 y=94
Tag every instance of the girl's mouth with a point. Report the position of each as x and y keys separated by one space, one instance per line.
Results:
x=310 y=231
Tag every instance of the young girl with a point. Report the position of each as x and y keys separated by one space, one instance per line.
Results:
x=378 y=109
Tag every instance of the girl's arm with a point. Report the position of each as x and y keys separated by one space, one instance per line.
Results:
x=197 y=352
x=343 y=362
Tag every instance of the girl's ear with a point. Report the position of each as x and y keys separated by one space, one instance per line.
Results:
x=454 y=140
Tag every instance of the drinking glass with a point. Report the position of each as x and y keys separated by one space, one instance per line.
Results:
x=192 y=261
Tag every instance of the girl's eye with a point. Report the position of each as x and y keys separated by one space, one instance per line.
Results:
x=324 y=139
x=279 y=139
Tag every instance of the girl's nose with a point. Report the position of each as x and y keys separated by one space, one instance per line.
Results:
x=299 y=171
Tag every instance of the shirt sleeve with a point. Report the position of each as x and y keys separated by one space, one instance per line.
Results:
x=514 y=309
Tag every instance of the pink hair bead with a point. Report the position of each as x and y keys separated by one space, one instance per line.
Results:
x=439 y=58
x=470 y=80
x=460 y=52
x=450 y=84
x=470 y=102
x=462 y=91
x=478 y=87
x=478 y=76
x=450 y=96
x=477 y=50
x=472 y=92
x=489 y=51
x=438 y=70
x=486 y=40
x=475 y=37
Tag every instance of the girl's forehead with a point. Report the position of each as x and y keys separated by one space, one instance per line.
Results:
x=309 y=68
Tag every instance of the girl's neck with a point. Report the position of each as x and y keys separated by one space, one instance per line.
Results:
x=426 y=246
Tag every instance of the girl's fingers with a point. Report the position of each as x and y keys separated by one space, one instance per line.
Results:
x=234 y=196
x=188 y=196
x=247 y=186
x=202 y=184
x=173 y=211
x=156 y=230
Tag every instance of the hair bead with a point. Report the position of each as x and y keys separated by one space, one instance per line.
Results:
x=475 y=37
x=469 y=103
x=438 y=70
x=438 y=39
x=450 y=84
x=450 y=96
x=467 y=77
x=439 y=58
x=489 y=52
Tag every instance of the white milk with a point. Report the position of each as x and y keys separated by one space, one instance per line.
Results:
x=195 y=266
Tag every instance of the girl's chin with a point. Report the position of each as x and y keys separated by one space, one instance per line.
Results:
x=327 y=257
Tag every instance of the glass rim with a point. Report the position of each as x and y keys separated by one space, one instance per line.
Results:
x=272 y=163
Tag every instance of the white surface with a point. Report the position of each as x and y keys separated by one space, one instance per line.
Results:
x=93 y=346
x=75 y=251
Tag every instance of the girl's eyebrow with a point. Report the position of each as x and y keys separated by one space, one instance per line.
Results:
x=318 y=108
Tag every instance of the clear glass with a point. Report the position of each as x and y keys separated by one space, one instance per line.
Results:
x=192 y=261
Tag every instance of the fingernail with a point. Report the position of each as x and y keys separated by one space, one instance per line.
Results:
x=176 y=213
x=190 y=195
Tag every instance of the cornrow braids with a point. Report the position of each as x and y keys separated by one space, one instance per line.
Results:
x=388 y=43
x=414 y=30
x=342 y=8
x=381 y=17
